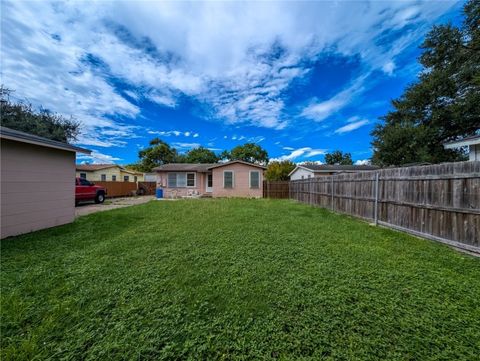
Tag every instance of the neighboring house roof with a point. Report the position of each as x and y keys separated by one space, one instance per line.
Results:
x=237 y=161
x=130 y=171
x=198 y=167
x=328 y=168
x=7 y=133
x=184 y=167
x=474 y=139
x=94 y=167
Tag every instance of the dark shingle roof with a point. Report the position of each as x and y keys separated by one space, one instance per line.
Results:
x=198 y=167
x=337 y=168
x=19 y=136
x=93 y=167
x=238 y=161
x=184 y=167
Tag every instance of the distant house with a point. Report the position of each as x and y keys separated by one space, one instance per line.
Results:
x=305 y=171
x=107 y=172
x=150 y=177
x=473 y=144
x=231 y=179
x=37 y=182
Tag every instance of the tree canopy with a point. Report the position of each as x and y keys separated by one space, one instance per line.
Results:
x=248 y=152
x=23 y=117
x=338 y=157
x=279 y=171
x=201 y=155
x=444 y=103
x=158 y=153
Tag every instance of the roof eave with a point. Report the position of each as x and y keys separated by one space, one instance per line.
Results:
x=461 y=143
x=52 y=144
x=237 y=161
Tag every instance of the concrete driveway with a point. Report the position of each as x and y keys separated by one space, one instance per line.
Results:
x=110 y=203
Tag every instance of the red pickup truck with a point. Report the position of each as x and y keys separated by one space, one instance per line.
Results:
x=87 y=191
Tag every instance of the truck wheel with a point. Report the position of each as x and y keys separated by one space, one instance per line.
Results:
x=100 y=198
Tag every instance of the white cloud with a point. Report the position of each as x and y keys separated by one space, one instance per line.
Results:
x=97 y=158
x=388 y=68
x=182 y=145
x=305 y=152
x=176 y=133
x=351 y=126
x=363 y=162
x=163 y=100
x=214 y=52
x=319 y=111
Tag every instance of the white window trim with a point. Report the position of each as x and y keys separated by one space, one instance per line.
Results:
x=233 y=179
x=250 y=179
x=194 y=179
x=186 y=182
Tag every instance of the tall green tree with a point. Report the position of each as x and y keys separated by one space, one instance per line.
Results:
x=443 y=105
x=158 y=153
x=248 y=152
x=23 y=117
x=338 y=157
x=279 y=171
x=201 y=155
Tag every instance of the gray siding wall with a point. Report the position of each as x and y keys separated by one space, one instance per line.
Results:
x=37 y=187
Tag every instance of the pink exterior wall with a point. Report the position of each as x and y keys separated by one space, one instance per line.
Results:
x=37 y=187
x=241 y=186
x=200 y=183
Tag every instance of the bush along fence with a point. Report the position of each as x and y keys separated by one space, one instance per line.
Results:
x=439 y=202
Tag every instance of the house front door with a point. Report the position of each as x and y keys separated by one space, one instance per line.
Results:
x=209 y=183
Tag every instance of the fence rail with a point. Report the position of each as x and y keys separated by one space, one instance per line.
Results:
x=276 y=189
x=440 y=202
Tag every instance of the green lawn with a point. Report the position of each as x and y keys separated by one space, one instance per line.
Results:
x=235 y=279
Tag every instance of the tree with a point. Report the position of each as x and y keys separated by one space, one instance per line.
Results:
x=201 y=155
x=23 y=117
x=249 y=152
x=157 y=154
x=338 y=157
x=279 y=171
x=444 y=103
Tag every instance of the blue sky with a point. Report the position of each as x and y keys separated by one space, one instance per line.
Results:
x=298 y=78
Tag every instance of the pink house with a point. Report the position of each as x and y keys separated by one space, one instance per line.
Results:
x=231 y=179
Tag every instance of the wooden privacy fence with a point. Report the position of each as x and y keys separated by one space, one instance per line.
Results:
x=439 y=202
x=123 y=189
x=276 y=189
x=147 y=188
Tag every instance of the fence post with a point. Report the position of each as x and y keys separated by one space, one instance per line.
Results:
x=376 y=199
x=310 y=192
x=333 y=207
